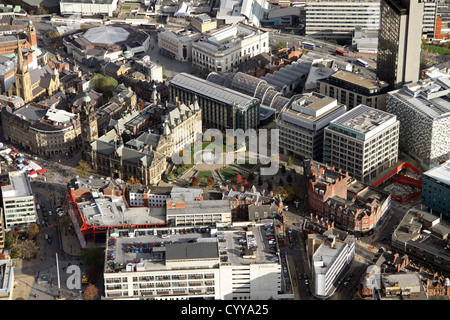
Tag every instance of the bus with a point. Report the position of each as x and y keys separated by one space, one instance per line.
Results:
x=340 y=52
x=363 y=63
x=308 y=45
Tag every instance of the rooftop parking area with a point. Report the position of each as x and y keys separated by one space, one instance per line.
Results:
x=148 y=247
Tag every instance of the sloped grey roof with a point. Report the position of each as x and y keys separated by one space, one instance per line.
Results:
x=102 y=147
x=210 y=89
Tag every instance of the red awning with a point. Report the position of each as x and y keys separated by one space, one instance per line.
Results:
x=41 y=171
x=32 y=173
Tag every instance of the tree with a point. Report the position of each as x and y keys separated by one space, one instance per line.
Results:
x=10 y=240
x=238 y=179
x=194 y=182
x=93 y=256
x=251 y=176
x=83 y=168
x=133 y=180
x=289 y=162
x=288 y=193
x=210 y=182
x=92 y=274
x=103 y=84
x=32 y=231
x=281 y=45
x=246 y=185
x=260 y=182
x=91 y=292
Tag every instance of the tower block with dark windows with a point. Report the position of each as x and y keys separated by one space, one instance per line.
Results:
x=22 y=77
x=89 y=128
x=399 y=41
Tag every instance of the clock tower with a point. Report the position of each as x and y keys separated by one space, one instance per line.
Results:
x=89 y=129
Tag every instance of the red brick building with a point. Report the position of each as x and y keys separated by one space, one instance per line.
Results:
x=336 y=196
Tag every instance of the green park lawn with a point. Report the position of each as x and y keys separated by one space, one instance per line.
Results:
x=436 y=49
x=204 y=175
x=229 y=173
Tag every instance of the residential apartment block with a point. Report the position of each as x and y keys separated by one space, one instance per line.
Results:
x=302 y=123
x=224 y=49
x=436 y=189
x=423 y=109
x=363 y=142
x=18 y=201
x=354 y=89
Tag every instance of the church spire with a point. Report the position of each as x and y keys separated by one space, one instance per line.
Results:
x=20 y=64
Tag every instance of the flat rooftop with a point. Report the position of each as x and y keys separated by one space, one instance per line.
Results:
x=364 y=120
x=19 y=185
x=429 y=97
x=151 y=249
x=114 y=211
x=199 y=207
x=440 y=173
x=359 y=80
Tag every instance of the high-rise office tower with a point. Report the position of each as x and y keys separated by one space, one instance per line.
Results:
x=399 y=41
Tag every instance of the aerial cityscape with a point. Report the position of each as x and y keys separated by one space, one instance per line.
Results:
x=228 y=150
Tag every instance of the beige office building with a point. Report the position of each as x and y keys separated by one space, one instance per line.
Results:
x=203 y=23
x=354 y=89
x=301 y=125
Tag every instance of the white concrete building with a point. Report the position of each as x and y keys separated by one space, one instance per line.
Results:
x=249 y=11
x=337 y=18
x=18 y=201
x=328 y=261
x=88 y=7
x=365 y=40
x=211 y=267
x=177 y=43
x=152 y=71
x=224 y=49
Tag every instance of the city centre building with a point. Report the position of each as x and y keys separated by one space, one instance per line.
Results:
x=190 y=262
x=363 y=142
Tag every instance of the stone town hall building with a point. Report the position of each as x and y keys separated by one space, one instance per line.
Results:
x=119 y=153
